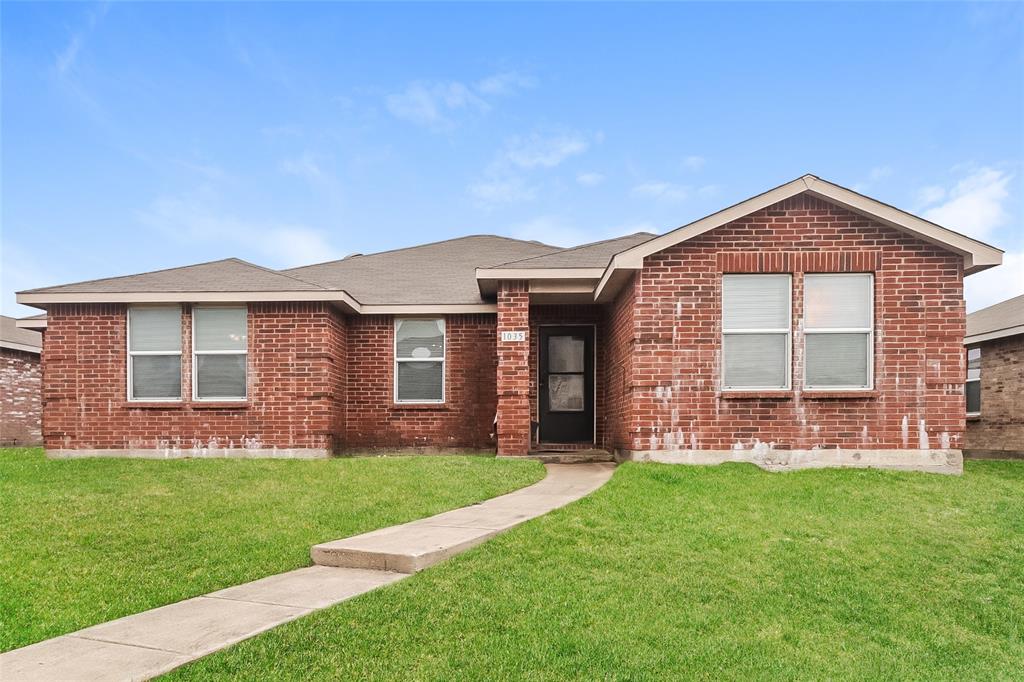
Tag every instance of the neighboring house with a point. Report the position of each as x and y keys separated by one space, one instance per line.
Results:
x=20 y=384
x=995 y=380
x=806 y=326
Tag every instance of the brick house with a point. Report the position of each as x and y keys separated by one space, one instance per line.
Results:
x=806 y=326
x=20 y=384
x=995 y=380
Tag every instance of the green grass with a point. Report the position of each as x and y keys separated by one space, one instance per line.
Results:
x=725 y=572
x=86 y=541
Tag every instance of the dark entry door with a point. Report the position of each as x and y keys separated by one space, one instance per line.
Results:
x=566 y=384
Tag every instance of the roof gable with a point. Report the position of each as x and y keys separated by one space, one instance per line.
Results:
x=997 y=321
x=977 y=255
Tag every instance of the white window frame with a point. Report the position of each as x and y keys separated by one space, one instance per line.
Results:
x=443 y=360
x=196 y=354
x=133 y=353
x=967 y=368
x=788 y=331
x=869 y=330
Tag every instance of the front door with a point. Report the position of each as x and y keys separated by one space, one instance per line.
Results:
x=566 y=384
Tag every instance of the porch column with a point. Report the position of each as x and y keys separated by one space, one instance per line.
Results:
x=513 y=429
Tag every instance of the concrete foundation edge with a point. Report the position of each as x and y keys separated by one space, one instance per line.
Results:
x=193 y=453
x=934 y=461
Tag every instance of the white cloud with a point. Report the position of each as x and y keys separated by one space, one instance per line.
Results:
x=67 y=59
x=505 y=83
x=589 y=179
x=996 y=284
x=194 y=218
x=975 y=204
x=875 y=175
x=536 y=150
x=505 y=190
x=662 y=191
x=694 y=163
x=931 y=194
x=432 y=104
x=304 y=166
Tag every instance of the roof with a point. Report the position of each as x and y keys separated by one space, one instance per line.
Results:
x=977 y=255
x=997 y=321
x=18 y=339
x=437 y=273
x=593 y=255
x=230 y=274
x=456 y=275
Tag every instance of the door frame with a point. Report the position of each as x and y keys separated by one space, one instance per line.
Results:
x=536 y=369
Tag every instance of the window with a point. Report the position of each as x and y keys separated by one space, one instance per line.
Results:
x=219 y=352
x=972 y=387
x=419 y=361
x=838 y=322
x=154 y=353
x=755 y=332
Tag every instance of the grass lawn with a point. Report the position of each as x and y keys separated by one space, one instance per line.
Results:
x=86 y=541
x=722 y=572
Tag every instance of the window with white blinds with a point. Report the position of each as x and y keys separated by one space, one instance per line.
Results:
x=756 y=332
x=220 y=346
x=154 y=353
x=419 y=360
x=838 y=331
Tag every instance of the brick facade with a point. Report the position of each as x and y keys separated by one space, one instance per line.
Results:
x=20 y=397
x=464 y=420
x=1001 y=424
x=919 y=321
x=322 y=381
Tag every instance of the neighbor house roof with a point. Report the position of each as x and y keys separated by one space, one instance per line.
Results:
x=456 y=275
x=997 y=321
x=18 y=339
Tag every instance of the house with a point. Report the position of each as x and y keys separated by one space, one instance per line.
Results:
x=20 y=384
x=806 y=326
x=995 y=380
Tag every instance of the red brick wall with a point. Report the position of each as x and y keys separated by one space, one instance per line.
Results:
x=513 y=384
x=292 y=377
x=618 y=349
x=465 y=420
x=20 y=398
x=919 y=318
x=1001 y=424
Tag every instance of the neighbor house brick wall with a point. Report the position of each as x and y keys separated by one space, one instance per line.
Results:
x=919 y=322
x=292 y=382
x=464 y=420
x=20 y=397
x=1001 y=424
x=513 y=373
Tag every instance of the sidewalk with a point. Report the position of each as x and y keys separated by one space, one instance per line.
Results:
x=151 y=643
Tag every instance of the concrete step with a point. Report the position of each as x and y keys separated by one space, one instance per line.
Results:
x=571 y=456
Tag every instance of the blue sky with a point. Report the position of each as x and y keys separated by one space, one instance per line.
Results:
x=150 y=135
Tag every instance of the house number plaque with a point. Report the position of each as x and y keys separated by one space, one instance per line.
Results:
x=513 y=336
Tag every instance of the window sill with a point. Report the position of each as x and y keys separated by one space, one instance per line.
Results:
x=218 y=404
x=838 y=395
x=154 y=404
x=436 y=407
x=974 y=417
x=755 y=395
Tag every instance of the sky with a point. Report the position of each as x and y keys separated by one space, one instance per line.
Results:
x=151 y=135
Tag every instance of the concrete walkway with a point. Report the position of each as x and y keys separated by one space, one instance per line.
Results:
x=154 y=642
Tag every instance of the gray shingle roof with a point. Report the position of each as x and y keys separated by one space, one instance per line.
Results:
x=593 y=255
x=230 y=274
x=439 y=273
x=10 y=334
x=1009 y=313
